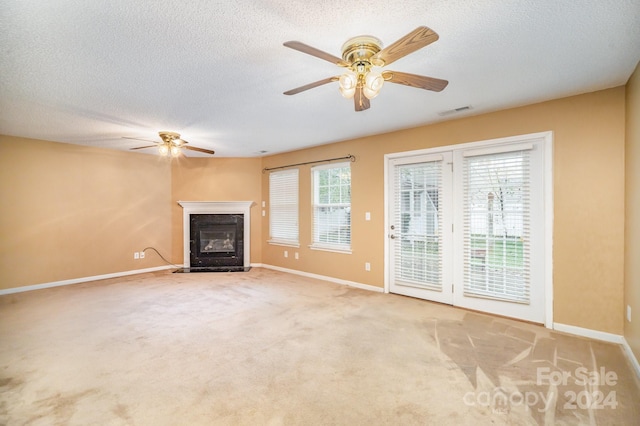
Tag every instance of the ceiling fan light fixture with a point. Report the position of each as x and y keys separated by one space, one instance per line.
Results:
x=348 y=80
x=175 y=151
x=347 y=93
x=163 y=150
x=373 y=82
x=370 y=94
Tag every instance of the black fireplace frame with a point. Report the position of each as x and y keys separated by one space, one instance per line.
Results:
x=220 y=255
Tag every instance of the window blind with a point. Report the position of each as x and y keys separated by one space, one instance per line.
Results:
x=496 y=221
x=332 y=206
x=418 y=225
x=283 y=207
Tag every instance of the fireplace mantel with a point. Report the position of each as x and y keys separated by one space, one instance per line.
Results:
x=216 y=207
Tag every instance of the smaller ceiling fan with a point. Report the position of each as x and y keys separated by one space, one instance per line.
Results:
x=360 y=55
x=171 y=144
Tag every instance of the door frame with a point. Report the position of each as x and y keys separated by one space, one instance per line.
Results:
x=547 y=143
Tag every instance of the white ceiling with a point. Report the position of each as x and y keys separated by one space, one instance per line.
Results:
x=91 y=72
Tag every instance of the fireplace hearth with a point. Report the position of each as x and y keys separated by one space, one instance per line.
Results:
x=216 y=236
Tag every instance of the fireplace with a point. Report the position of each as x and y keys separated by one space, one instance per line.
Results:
x=216 y=236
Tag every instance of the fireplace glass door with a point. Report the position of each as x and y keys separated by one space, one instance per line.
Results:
x=217 y=240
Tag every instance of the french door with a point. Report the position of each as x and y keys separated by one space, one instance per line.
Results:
x=420 y=227
x=467 y=227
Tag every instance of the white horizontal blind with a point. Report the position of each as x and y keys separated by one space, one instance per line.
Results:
x=497 y=226
x=283 y=206
x=332 y=206
x=418 y=225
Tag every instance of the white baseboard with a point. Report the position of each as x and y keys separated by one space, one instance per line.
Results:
x=321 y=277
x=81 y=280
x=601 y=335
x=586 y=332
x=631 y=356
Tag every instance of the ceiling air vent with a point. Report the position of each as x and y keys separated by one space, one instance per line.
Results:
x=455 y=110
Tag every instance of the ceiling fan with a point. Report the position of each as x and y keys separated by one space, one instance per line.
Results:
x=171 y=144
x=360 y=55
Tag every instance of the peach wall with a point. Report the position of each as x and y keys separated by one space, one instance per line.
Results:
x=632 y=214
x=216 y=179
x=588 y=192
x=72 y=212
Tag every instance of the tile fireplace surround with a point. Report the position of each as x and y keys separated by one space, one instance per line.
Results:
x=216 y=207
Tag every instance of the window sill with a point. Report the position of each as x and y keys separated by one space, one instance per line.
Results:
x=283 y=243
x=334 y=249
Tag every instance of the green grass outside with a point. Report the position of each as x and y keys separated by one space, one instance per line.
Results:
x=499 y=251
x=493 y=251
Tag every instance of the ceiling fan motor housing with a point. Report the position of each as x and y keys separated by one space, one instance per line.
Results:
x=358 y=50
x=170 y=138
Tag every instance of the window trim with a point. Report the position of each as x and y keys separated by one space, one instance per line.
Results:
x=335 y=248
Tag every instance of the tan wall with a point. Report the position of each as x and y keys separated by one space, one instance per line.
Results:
x=632 y=213
x=72 y=212
x=588 y=192
x=216 y=179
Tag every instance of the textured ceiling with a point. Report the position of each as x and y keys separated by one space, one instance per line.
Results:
x=90 y=72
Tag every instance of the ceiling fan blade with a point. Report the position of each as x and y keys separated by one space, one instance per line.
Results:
x=310 y=86
x=195 y=148
x=138 y=139
x=417 y=39
x=144 y=147
x=360 y=100
x=413 y=80
x=304 y=48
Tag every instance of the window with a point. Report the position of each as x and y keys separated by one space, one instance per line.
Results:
x=283 y=207
x=332 y=207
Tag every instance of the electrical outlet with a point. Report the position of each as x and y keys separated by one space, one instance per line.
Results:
x=629 y=313
x=136 y=255
x=296 y=255
x=286 y=253
x=367 y=266
x=367 y=216
x=141 y=255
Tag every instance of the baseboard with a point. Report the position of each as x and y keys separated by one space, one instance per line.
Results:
x=322 y=277
x=81 y=280
x=601 y=335
x=586 y=332
x=631 y=356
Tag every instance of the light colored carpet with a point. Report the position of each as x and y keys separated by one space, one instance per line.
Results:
x=265 y=347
